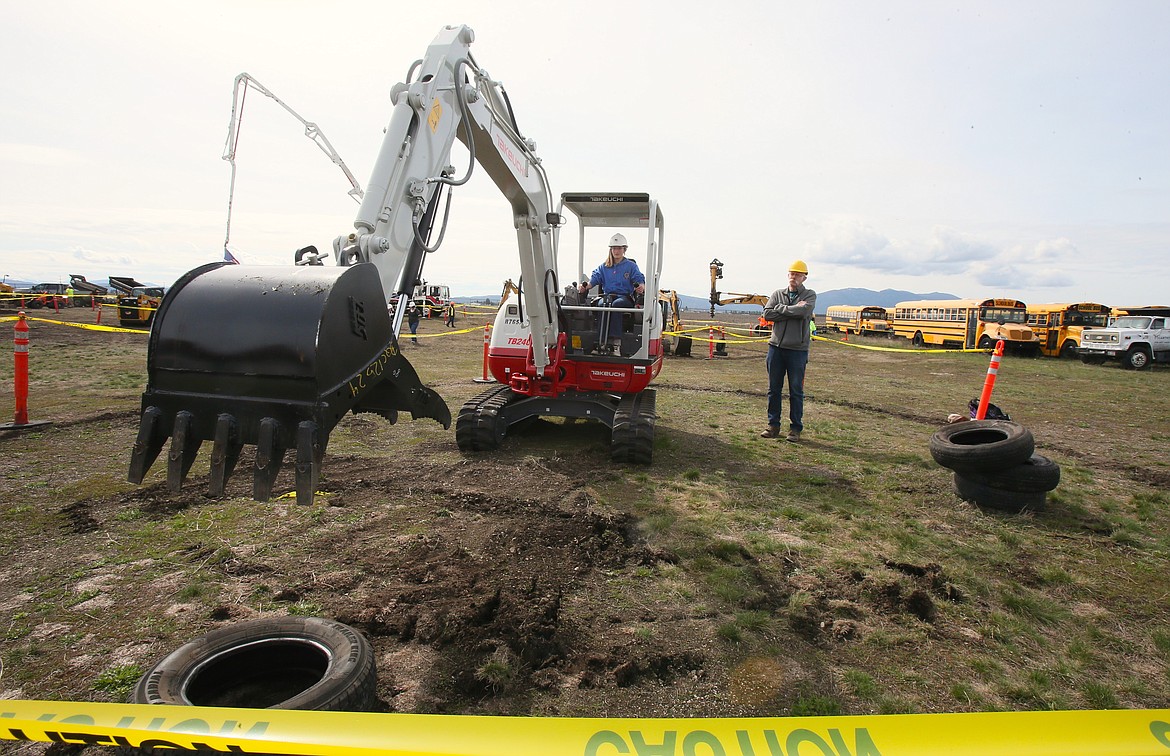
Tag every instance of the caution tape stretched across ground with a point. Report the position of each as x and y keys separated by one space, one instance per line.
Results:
x=320 y=733
x=681 y=332
x=408 y=335
x=764 y=339
x=84 y=326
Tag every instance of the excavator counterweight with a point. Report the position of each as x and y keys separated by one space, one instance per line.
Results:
x=217 y=374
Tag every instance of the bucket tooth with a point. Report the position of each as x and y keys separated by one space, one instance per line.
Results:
x=269 y=454
x=225 y=453
x=184 y=446
x=310 y=452
x=148 y=445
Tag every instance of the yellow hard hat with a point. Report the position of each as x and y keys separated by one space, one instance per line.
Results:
x=798 y=266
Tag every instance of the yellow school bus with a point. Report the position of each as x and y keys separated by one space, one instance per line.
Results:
x=1059 y=326
x=868 y=320
x=965 y=323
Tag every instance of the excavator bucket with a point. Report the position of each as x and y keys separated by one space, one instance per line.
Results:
x=271 y=357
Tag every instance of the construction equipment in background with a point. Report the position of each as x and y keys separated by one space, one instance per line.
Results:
x=672 y=316
x=509 y=288
x=87 y=289
x=124 y=284
x=275 y=357
x=761 y=327
x=137 y=308
x=432 y=299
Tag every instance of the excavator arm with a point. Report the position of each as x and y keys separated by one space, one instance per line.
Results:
x=453 y=97
x=275 y=357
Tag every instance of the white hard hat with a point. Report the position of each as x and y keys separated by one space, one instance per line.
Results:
x=617 y=240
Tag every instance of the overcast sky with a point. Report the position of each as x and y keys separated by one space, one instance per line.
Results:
x=973 y=147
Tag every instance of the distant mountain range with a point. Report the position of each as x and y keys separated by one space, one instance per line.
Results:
x=825 y=299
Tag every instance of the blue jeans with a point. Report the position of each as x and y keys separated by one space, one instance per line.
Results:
x=781 y=363
x=606 y=328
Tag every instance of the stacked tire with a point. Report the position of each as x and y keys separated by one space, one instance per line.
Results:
x=995 y=464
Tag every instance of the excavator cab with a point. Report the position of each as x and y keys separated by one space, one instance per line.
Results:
x=579 y=382
x=642 y=332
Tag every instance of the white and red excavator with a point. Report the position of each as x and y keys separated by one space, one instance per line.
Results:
x=319 y=341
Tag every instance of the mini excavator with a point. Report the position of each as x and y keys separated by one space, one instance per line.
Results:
x=322 y=340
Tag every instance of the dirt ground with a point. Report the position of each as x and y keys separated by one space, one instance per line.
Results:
x=445 y=561
x=525 y=582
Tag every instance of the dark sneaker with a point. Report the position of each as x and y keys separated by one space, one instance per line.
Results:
x=772 y=431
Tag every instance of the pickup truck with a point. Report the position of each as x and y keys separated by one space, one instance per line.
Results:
x=1135 y=340
x=45 y=295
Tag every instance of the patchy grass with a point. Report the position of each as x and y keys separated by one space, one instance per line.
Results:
x=842 y=573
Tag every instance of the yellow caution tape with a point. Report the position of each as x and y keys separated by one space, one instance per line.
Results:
x=762 y=339
x=109 y=329
x=897 y=349
x=404 y=336
x=323 y=733
x=750 y=339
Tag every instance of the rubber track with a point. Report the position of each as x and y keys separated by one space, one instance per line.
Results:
x=632 y=439
x=478 y=425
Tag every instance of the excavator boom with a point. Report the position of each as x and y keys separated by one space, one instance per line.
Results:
x=274 y=357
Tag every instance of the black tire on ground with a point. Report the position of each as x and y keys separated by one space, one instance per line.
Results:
x=985 y=342
x=1137 y=358
x=997 y=498
x=304 y=663
x=917 y=340
x=1068 y=350
x=1037 y=473
x=981 y=445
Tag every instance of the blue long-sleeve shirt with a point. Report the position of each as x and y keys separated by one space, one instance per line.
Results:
x=620 y=279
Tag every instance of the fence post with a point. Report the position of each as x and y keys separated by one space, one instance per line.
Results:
x=20 y=370
x=989 y=382
x=20 y=377
x=721 y=347
x=487 y=340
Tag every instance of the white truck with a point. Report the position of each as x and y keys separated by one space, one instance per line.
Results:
x=1136 y=339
